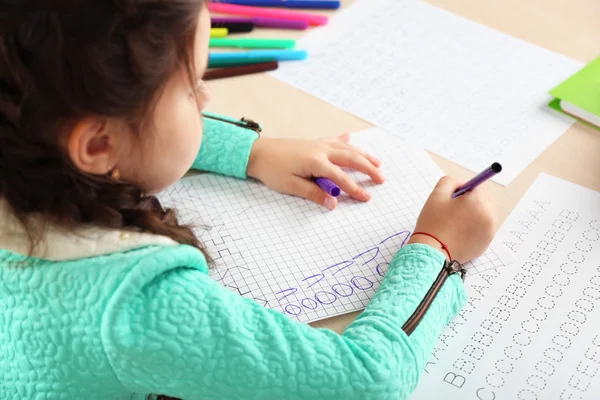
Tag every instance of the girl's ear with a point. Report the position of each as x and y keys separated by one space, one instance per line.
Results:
x=91 y=146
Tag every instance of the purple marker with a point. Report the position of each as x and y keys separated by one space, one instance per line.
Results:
x=233 y=20
x=265 y=22
x=262 y=22
x=494 y=169
x=327 y=185
x=311 y=4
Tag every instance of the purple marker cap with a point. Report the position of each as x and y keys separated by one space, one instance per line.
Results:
x=233 y=20
x=327 y=185
x=265 y=22
x=477 y=180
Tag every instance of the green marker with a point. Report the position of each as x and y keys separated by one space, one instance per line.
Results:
x=235 y=63
x=250 y=43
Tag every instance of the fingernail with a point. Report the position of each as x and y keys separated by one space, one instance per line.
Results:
x=330 y=203
x=367 y=195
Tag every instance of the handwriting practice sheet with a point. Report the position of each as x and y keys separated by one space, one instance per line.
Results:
x=294 y=256
x=530 y=330
x=464 y=91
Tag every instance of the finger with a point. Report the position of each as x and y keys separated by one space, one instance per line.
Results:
x=372 y=159
x=446 y=186
x=349 y=159
x=342 y=139
x=345 y=138
x=337 y=175
x=305 y=189
x=345 y=146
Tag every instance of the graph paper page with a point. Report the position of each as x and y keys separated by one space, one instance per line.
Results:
x=464 y=91
x=295 y=256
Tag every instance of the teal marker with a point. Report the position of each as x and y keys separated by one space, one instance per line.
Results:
x=251 y=55
x=251 y=43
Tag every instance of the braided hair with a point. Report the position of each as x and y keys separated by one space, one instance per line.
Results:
x=64 y=60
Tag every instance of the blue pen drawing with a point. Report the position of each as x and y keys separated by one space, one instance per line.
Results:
x=339 y=290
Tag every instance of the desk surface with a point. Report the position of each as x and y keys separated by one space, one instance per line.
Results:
x=568 y=27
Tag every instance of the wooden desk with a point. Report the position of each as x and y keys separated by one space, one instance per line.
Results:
x=568 y=27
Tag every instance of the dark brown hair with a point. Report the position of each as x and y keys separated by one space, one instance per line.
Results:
x=61 y=61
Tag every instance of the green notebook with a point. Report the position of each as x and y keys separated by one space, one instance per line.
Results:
x=579 y=96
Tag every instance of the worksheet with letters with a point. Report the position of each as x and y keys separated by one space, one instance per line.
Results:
x=530 y=330
x=467 y=92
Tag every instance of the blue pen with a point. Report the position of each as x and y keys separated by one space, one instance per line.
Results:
x=275 y=55
x=309 y=4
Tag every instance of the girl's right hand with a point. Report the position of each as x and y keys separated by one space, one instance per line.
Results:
x=466 y=224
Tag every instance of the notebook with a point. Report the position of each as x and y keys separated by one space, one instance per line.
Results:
x=579 y=96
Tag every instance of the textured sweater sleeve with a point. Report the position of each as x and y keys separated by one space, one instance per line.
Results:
x=225 y=148
x=186 y=336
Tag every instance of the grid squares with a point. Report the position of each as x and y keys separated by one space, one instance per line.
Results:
x=283 y=251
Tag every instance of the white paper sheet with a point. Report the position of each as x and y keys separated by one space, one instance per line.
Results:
x=464 y=91
x=292 y=255
x=530 y=330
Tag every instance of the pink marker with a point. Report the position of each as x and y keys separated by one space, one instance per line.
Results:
x=311 y=19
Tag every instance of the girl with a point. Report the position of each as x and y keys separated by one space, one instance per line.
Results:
x=104 y=295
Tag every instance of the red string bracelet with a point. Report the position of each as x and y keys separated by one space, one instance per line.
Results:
x=444 y=247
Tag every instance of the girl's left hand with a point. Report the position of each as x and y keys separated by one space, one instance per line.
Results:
x=288 y=166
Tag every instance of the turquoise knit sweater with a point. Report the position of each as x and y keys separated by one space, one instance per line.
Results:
x=149 y=319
